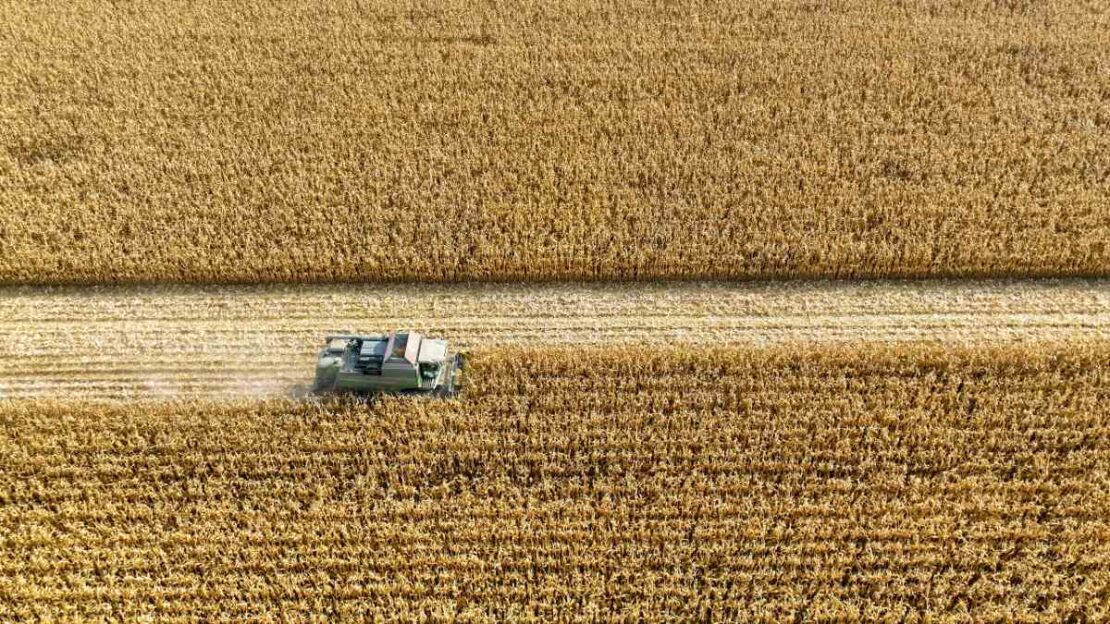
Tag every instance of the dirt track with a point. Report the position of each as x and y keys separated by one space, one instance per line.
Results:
x=241 y=341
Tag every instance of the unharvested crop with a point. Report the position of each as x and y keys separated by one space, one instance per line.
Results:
x=370 y=141
x=731 y=484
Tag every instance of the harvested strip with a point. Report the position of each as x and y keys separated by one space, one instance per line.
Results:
x=134 y=342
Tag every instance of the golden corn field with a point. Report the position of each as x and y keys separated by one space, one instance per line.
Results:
x=672 y=235
x=224 y=141
x=751 y=484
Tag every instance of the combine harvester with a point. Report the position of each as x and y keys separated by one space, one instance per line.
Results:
x=400 y=362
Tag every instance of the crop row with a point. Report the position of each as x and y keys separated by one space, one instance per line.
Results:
x=738 y=483
x=371 y=141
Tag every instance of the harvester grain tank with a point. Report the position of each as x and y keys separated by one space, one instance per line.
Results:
x=400 y=362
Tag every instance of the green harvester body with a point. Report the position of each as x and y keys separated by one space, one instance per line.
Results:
x=400 y=362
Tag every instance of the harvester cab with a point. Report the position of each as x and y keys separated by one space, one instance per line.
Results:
x=400 y=362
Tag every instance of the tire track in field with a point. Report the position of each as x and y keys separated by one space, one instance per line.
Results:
x=227 y=341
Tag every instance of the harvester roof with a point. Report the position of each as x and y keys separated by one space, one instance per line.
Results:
x=412 y=347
